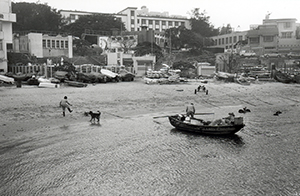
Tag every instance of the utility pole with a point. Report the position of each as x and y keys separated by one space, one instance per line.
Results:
x=170 y=48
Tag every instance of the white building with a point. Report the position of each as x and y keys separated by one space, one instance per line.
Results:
x=6 y=36
x=134 y=19
x=43 y=45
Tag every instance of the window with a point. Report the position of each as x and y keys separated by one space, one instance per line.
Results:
x=143 y=21
x=226 y=41
x=44 y=43
x=48 y=44
x=234 y=39
x=9 y=46
x=132 y=13
x=286 y=35
x=66 y=44
x=219 y=41
x=61 y=44
x=240 y=37
x=163 y=22
x=170 y=23
x=254 y=40
x=150 y=22
x=57 y=43
x=287 y=25
x=53 y=44
x=222 y=40
x=1 y=45
x=230 y=40
x=72 y=16
x=132 y=21
x=176 y=23
x=269 y=48
x=268 y=38
x=182 y=23
x=157 y=22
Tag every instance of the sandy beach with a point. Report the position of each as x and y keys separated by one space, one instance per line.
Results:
x=132 y=153
x=26 y=109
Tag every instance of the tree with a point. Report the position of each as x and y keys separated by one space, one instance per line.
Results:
x=147 y=48
x=32 y=16
x=94 y=24
x=226 y=30
x=200 y=24
x=186 y=67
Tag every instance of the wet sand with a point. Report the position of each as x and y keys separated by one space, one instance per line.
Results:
x=130 y=153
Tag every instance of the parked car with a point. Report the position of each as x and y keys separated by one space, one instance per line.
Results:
x=244 y=53
x=293 y=55
x=270 y=55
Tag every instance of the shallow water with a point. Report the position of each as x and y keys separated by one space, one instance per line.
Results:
x=142 y=156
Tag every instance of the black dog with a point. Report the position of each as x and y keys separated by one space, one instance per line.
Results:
x=95 y=116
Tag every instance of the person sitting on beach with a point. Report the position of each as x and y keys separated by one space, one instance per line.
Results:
x=65 y=104
x=190 y=110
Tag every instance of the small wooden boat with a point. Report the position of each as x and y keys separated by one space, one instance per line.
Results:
x=75 y=84
x=48 y=85
x=282 y=77
x=126 y=75
x=7 y=79
x=225 y=76
x=243 y=81
x=206 y=129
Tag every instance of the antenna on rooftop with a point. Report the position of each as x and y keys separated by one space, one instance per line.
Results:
x=268 y=15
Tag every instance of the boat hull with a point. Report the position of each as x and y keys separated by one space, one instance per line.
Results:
x=281 y=77
x=75 y=84
x=205 y=129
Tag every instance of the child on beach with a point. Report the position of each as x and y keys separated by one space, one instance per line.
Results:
x=65 y=104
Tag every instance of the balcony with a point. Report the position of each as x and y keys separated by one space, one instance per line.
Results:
x=8 y=17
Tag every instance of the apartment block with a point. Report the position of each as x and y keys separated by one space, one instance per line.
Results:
x=6 y=36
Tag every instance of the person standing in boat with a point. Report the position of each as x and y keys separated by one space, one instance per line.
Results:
x=65 y=104
x=190 y=110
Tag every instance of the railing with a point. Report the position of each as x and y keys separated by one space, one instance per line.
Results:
x=47 y=70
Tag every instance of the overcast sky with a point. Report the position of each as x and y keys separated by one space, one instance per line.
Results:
x=240 y=14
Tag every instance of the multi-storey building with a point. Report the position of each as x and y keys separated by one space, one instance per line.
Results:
x=273 y=36
x=43 y=45
x=6 y=37
x=263 y=39
x=288 y=34
x=134 y=19
x=228 y=41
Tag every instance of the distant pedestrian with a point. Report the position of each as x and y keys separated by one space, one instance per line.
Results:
x=195 y=91
x=65 y=104
x=206 y=92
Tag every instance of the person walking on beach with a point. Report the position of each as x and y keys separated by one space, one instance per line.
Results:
x=190 y=110
x=65 y=104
